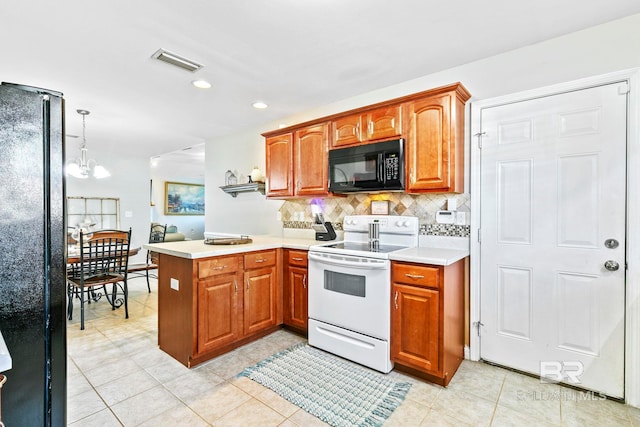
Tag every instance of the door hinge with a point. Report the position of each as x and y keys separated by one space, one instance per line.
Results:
x=477 y=325
x=480 y=135
x=623 y=89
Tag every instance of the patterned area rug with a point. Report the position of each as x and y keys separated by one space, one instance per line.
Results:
x=339 y=392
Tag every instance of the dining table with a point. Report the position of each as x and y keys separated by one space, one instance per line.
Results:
x=73 y=254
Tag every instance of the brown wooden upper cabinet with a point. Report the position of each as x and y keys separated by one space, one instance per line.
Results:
x=297 y=162
x=431 y=122
x=279 y=158
x=435 y=142
x=368 y=126
x=311 y=148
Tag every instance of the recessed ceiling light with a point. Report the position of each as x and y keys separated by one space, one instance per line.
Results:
x=260 y=105
x=201 y=84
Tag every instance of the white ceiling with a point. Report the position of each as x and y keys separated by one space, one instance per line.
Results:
x=292 y=54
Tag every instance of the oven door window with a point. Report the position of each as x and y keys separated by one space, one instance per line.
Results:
x=349 y=284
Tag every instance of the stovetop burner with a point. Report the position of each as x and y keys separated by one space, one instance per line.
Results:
x=395 y=233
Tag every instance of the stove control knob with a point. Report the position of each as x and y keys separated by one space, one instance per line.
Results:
x=399 y=223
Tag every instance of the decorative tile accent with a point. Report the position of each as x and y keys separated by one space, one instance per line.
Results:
x=450 y=230
x=423 y=206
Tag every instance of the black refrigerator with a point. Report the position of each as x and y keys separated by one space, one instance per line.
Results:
x=32 y=255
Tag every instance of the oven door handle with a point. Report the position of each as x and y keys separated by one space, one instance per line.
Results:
x=375 y=264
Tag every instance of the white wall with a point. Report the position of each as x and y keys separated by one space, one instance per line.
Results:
x=129 y=181
x=248 y=213
x=597 y=50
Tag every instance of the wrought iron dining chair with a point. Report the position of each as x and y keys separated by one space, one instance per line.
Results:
x=156 y=235
x=103 y=260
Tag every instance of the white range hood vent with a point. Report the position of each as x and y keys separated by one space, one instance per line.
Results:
x=176 y=60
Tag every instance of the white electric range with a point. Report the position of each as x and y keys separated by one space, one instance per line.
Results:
x=350 y=288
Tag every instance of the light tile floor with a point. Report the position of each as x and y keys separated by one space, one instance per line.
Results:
x=117 y=376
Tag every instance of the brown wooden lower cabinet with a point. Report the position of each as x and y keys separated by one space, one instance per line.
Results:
x=427 y=319
x=218 y=312
x=295 y=290
x=260 y=299
x=209 y=306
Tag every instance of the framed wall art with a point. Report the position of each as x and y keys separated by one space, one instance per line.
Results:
x=183 y=199
x=379 y=207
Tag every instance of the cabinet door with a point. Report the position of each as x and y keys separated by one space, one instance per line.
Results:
x=311 y=149
x=296 y=297
x=346 y=131
x=428 y=144
x=384 y=122
x=415 y=323
x=218 y=311
x=279 y=168
x=259 y=299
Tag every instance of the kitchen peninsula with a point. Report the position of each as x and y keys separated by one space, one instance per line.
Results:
x=212 y=299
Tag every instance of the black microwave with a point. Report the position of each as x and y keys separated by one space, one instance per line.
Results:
x=367 y=168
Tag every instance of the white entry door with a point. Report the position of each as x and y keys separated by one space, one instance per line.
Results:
x=553 y=236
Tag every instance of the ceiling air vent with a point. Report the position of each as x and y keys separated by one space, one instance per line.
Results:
x=177 y=60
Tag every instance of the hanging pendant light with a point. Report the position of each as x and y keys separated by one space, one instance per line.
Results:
x=83 y=167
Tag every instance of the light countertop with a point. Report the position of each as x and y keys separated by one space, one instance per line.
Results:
x=438 y=252
x=435 y=250
x=434 y=256
x=194 y=249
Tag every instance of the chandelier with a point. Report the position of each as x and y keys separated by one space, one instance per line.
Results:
x=82 y=168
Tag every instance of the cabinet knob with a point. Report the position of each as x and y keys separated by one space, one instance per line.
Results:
x=304 y=281
x=297 y=259
x=395 y=300
x=260 y=260
x=414 y=276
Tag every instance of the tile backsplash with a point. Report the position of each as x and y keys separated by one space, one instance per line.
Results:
x=298 y=213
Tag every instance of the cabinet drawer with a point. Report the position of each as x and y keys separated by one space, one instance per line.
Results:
x=215 y=266
x=416 y=274
x=259 y=259
x=297 y=258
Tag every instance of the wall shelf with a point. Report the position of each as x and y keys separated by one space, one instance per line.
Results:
x=233 y=190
